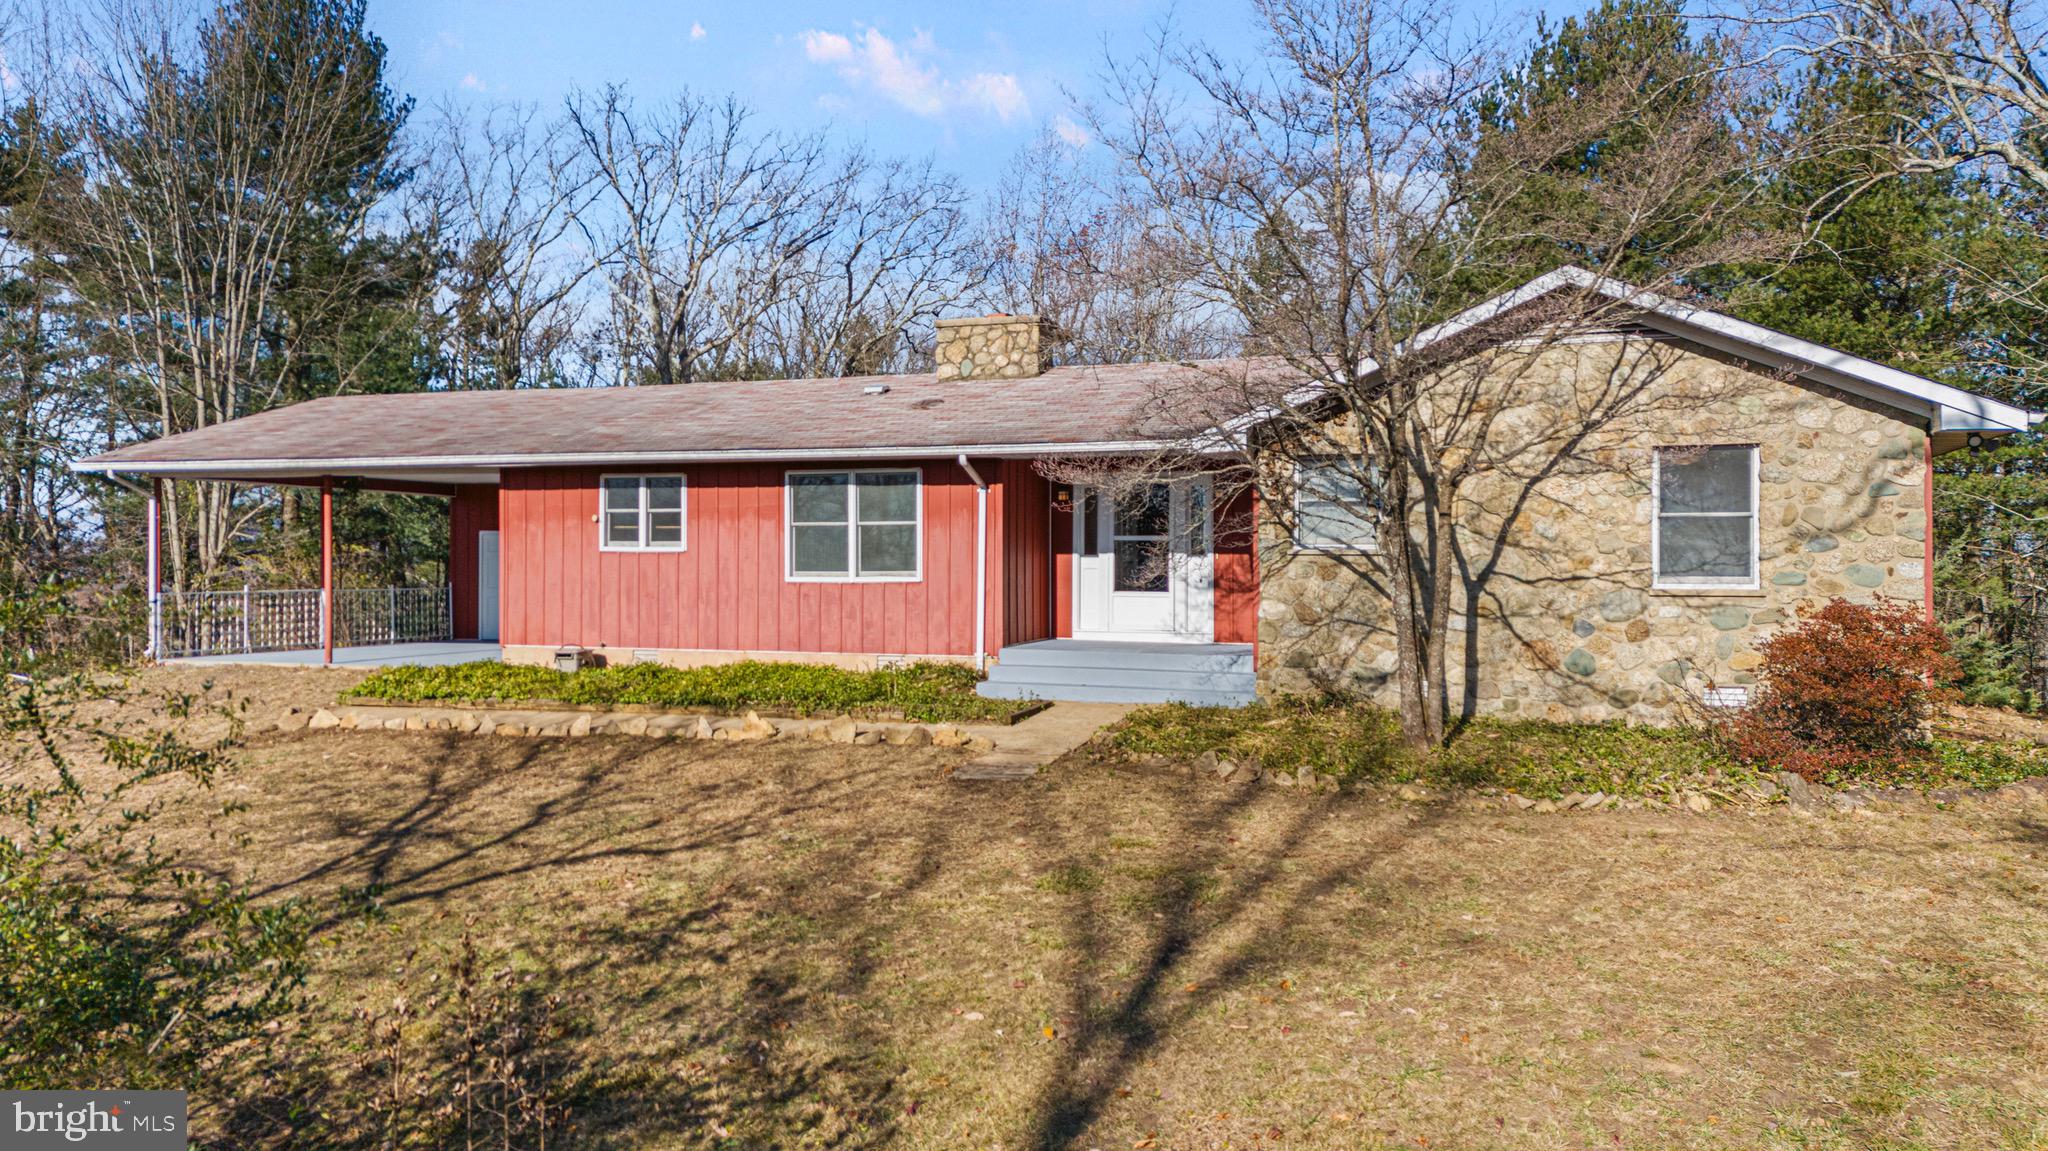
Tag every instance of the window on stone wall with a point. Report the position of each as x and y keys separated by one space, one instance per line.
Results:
x=1705 y=531
x=1332 y=510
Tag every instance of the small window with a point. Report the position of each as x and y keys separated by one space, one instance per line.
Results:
x=1706 y=528
x=854 y=525
x=642 y=513
x=1333 y=511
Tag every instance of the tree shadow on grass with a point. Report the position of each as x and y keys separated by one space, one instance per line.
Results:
x=1209 y=938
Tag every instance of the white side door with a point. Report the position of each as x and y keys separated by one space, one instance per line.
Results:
x=487 y=586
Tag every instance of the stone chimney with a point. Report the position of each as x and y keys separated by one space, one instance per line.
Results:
x=992 y=347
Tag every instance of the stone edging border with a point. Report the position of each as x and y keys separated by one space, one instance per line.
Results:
x=883 y=715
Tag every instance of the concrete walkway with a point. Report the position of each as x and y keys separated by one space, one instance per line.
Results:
x=1023 y=748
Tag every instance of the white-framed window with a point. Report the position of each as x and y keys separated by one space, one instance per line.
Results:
x=863 y=524
x=1333 y=511
x=1704 y=533
x=641 y=513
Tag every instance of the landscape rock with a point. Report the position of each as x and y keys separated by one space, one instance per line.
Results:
x=580 y=726
x=1209 y=763
x=323 y=719
x=1411 y=793
x=1697 y=804
x=868 y=738
x=842 y=729
x=701 y=729
x=948 y=737
x=1519 y=802
x=752 y=726
x=637 y=725
x=909 y=737
x=467 y=724
x=292 y=720
x=415 y=723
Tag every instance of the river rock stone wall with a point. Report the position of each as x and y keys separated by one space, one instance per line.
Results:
x=1568 y=626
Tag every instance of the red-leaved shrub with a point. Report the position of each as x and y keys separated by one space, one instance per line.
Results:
x=1845 y=687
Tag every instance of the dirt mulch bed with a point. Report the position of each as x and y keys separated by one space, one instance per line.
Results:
x=800 y=945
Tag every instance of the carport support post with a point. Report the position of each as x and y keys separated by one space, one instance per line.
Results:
x=326 y=571
x=153 y=568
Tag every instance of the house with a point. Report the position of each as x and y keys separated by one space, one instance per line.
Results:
x=877 y=518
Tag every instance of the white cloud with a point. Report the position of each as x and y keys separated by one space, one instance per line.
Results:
x=903 y=74
x=1074 y=134
x=826 y=46
x=471 y=82
x=696 y=30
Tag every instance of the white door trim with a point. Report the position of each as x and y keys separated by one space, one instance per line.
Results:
x=1186 y=609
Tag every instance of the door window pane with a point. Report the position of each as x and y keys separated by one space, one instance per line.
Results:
x=1144 y=511
x=1140 y=565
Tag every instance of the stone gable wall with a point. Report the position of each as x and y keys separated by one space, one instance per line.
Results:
x=1569 y=627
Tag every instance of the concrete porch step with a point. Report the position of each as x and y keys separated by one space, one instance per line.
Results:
x=1096 y=671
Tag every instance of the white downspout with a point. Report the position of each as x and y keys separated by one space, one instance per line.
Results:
x=980 y=563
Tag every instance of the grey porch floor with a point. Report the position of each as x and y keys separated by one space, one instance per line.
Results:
x=371 y=655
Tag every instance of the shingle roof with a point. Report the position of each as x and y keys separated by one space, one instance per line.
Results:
x=1067 y=407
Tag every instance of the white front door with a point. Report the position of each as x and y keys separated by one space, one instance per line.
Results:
x=487 y=586
x=1143 y=567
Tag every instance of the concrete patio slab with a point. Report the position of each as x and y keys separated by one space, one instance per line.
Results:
x=367 y=656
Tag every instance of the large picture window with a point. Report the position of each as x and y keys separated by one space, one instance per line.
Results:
x=1706 y=526
x=855 y=525
x=641 y=513
x=1332 y=511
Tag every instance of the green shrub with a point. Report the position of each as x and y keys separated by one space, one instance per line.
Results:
x=120 y=966
x=923 y=692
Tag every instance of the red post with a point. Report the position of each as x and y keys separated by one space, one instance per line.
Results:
x=1927 y=548
x=326 y=571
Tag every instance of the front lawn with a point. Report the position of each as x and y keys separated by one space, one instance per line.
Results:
x=922 y=692
x=804 y=945
x=1361 y=743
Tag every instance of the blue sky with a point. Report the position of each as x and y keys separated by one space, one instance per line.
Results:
x=966 y=83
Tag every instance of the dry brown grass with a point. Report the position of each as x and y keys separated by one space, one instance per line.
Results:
x=817 y=946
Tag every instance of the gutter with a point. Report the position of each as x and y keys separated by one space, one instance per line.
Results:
x=271 y=468
x=980 y=563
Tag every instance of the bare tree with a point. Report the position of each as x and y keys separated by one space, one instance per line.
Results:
x=901 y=250
x=709 y=219
x=207 y=159
x=1969 y=73
x=1333 y=201
x=512 y=196
x=1073 y=245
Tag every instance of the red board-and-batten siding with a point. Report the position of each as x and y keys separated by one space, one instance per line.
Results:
x=728 y=590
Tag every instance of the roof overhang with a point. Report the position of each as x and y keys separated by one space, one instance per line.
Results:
x=485 y=468
x=1946 y=408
